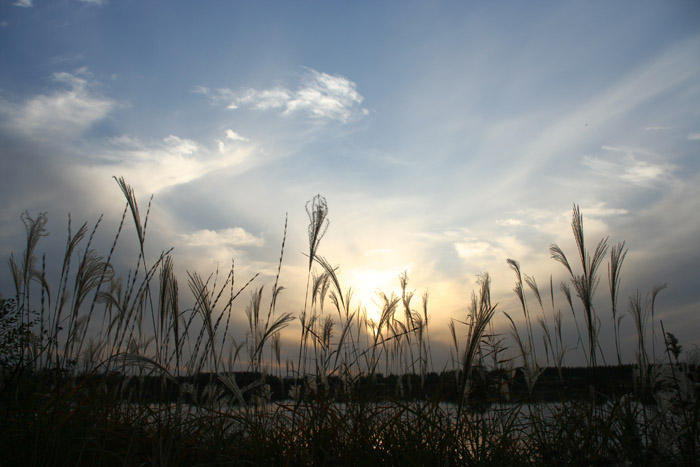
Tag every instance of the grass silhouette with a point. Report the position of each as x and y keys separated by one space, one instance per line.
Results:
x=102 y=369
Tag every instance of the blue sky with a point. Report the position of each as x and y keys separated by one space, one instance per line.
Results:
x=446 y=137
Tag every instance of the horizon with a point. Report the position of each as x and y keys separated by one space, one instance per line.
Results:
x=446 y=139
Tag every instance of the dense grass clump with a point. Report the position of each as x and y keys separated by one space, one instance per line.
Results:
x=102 y=368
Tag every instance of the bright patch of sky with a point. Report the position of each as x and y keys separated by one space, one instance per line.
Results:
x=447 y=137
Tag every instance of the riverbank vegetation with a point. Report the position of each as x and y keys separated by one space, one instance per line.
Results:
x=100 y=368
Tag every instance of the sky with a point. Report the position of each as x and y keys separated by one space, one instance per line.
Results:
x=446 y=137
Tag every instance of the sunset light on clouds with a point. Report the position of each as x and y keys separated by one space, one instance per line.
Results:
x=446 y=137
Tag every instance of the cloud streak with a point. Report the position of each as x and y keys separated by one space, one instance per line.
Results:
x=63 y=112
x=153 y=167
x=630 y=168
x=320 y=96
x=673 y=68
x=234 y=236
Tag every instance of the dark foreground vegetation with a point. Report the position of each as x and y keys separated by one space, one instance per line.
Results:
x=100 y=368
x=487 y=387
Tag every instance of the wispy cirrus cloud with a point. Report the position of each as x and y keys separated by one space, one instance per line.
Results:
x=626 y=165
x=232 y=135
x=657 y=128
x=200 y=248
x=484 y=252
x=266 y=99
x=510 y=222
x=674 y=68
x=58 y=118
x=319 y=96
x=67 y=111
x=155 y=166
x=233 y=236
x=23 y=3
x=695 y=136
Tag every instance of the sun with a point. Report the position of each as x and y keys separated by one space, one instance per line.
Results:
x=366 y=283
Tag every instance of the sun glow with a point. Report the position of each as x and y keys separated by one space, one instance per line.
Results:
x=367 y=283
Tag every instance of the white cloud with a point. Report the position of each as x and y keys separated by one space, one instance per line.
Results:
x=484 y=253
x=62 y=112
x=232 y=135
x=234 y=236
x=599 y=210
x=152 y=167
x=95 y=2
x=630 y=169
x=320 y=96
x=695 y=136
x=23 y=3
x=676 y=67
x=326 y=97
x=62 y=115
x=217 y=96
x=554 y=226
x=642 y=173
x=264 y=100
x=473 y=248
x=509 y=222
x=179 y=145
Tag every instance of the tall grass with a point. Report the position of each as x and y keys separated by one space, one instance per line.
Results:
x=111 y=368
x=586 y=282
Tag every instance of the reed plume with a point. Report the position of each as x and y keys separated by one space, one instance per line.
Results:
x=617 y=257
x=585 y=284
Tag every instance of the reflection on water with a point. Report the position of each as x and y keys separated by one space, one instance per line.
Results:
x=519 y=415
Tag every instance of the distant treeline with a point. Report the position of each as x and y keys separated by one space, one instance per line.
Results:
x=486 y=387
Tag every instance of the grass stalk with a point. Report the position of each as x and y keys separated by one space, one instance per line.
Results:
x=164 y=390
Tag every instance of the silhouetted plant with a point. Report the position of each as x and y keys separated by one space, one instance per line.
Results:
x=15 y=334
x=585 y=283
x=154 y=381
x=617 y=257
